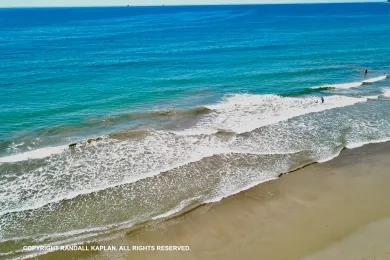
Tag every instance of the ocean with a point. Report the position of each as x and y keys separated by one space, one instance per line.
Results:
x=167 y=108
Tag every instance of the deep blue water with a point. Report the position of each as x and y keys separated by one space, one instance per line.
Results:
x=64 y=70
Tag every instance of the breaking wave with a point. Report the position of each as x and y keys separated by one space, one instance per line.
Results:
x=352 y=84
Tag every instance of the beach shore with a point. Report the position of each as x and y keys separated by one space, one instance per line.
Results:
x=333 y=210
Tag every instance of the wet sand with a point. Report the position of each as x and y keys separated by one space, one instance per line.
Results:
x=335 y=210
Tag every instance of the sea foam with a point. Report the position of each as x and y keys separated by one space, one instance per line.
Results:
x=350 y=85
x=386 y=92
x=244 y=112
x=376 y=79
x=33 y=154
x=206 y=167
x=111 y=162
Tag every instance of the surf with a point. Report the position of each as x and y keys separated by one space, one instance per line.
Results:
x=39 y=153
x=237 y=142
x=149 y=153
x=386 y=92
x=242 y=113
x=237 y=113
x=373 y=80
x=350 y=85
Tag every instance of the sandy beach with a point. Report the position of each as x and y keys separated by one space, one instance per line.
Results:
x=333 y=210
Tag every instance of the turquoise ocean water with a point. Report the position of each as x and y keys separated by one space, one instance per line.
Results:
x=172 y=107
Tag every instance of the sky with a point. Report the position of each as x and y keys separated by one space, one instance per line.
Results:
x=35 y=3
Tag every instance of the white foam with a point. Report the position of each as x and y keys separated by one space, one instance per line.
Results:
x=330 y=157
x=386 y=92
x=243 y=112
x=372 y=97
x=33 y=154
x=360 y=144
x=142 y=160
x=350 y=85
x=241 y=189
x=345 y=85
x=376 y=79
x=182 y=205
x=112 y=163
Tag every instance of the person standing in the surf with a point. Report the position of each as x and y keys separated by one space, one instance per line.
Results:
x=365 y=73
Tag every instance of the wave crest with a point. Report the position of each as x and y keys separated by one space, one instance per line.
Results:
x=242 y=113
x=350 y=85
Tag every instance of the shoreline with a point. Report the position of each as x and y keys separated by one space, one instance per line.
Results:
x=343 y=194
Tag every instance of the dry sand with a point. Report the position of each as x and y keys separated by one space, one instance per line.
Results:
x=335 y=210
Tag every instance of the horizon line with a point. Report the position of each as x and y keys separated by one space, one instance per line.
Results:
x=179 y=5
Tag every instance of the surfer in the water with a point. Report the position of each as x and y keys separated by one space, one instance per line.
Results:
x=322 y=100
x=365 y=73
